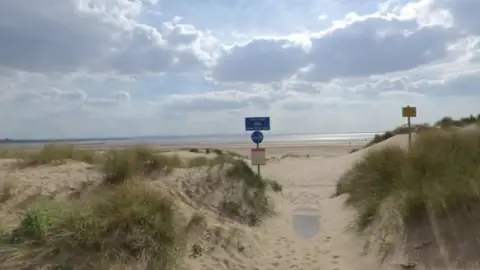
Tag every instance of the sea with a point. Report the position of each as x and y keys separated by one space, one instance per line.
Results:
x=202 y=139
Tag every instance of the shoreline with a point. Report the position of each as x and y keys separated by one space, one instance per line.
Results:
x=237 y=139
x=199 y=144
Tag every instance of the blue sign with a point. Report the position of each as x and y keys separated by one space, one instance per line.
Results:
x=257 y=123
x=257 y=137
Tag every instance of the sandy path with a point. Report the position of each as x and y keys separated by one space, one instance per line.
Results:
x=311 y=182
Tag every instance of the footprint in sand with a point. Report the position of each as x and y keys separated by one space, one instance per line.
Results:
x=335 y=259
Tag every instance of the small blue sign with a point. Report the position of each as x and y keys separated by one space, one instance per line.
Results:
x=257 y=123
x=257 y=137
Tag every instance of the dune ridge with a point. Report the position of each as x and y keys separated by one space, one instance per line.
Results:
x=423 y=203
x=227 y=218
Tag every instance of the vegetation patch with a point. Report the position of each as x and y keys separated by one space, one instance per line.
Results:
x=246 y=199
x=125 y=223
x=129 y=224
x=387 y=135
x=7 y=190
x=57 y=154
x=449 y=122
x=444 y=123
x=204 y=161
x=122 y=165
x=440 y=174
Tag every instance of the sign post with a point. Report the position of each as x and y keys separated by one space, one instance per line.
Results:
x=409 y=112
x=256 y=124
x=257 y=138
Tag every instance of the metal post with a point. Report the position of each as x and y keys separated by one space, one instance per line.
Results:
x=258 y=166
x=409 y=133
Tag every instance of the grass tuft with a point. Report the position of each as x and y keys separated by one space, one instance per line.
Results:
x=371 y=180
x=119 y=226
x=203 y=161
x=7 y=191
x=122 y=165
x=446 y=123
x=440 y=173
x=57 y=154
x=253 y=204
x=276 y=187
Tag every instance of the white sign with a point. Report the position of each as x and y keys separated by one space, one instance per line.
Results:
x=258 y=156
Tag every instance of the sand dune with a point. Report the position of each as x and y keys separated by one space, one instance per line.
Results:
x=309 y=177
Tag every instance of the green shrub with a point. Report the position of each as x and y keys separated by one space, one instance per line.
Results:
x=203 y=161
x=122 y=165
x=7 y=191
x=276 y=187
x=371 y=180
x=440 y=173
x=448 y=122
x=122 y=224
x=254 y=193
x=218 y=151
x=58 y=154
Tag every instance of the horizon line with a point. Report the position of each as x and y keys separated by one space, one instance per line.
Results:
x=8 y=139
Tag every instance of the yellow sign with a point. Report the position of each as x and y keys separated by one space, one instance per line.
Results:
x=409 y=111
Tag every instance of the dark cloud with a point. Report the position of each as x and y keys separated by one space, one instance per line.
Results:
x=48 y=36
x=261 y=60
x=376 y=46
x=364 y=48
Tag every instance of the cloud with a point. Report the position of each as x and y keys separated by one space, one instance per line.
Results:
x=48 y=95
x=93 y=36
x=376 y=46
x=464 y=13
x=294 y=105
x=260 y=60
x=370 y=46
x=466 y=84
x=89 y=68
x=225 y=100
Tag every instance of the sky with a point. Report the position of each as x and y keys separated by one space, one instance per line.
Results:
x=115 y=68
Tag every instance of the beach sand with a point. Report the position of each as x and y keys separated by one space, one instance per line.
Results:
x=288 y=240
x=309 y=183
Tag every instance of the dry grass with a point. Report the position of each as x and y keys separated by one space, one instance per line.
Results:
x=252 y=204
x=198 y=220
x=122 y=165
x=388 y=134
x=446 y=123
x=276 y=187
x=7 y=191
x=120 y=225
x=439 y=175
x=125 y=223
x=203 y=161
x=56 y=154
x=14 y=153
